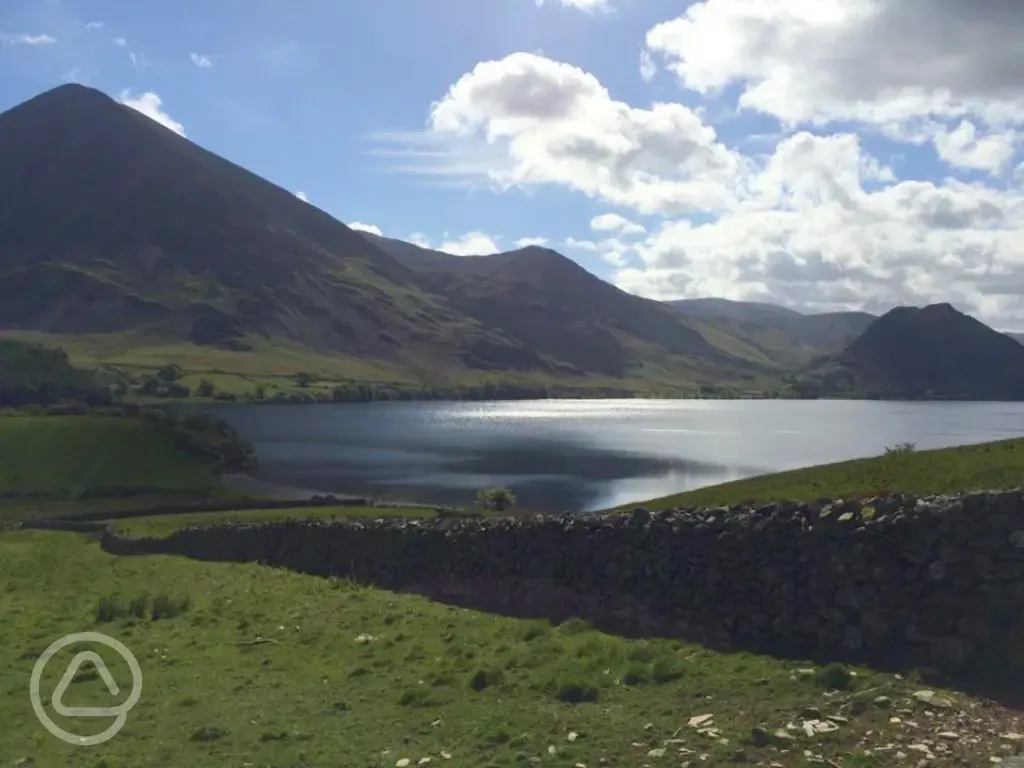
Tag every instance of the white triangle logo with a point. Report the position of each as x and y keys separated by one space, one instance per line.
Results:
x=66 y=680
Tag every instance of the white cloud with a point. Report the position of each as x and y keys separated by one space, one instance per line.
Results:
x=151 y=105
x=23 y=39
x=470 y=244
x=866 y=194
x=587 y=6
x=613 y=222
x=200 y=60
x=559 y=125
x=120 y=42
x=302 y=196
x=94 y=25
x=964 y=148
x=358 y=225
x=525 y=242
x=874 y=61
x=648 y=67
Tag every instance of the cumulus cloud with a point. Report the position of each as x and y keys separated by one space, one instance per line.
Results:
x=890 y=172
x=361 y=227
x=302 y=196
x=613 y=222
x=525 y=242
x=874 y=61
x=200 y=60
x=151 y=105
x=559 y=125
x=470 y=244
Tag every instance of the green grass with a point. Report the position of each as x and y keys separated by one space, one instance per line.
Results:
x=65 y=455
x=984 y=466
x=248 y=665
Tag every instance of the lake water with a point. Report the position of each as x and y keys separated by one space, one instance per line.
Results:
x=582 y=455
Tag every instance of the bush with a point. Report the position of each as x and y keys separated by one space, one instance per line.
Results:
x=636 y=674
x=666 y=669
x=206 y=388
x=109 y=609
x=169 y=373
x=485 y=678
x=497 y=499
x=575 y=692
x=167 y=607
x=835 y=677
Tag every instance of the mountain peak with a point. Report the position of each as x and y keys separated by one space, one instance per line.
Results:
x=68 y=95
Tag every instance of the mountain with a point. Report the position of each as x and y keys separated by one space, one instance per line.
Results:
x=116 y=227
x=933 y=351
x=553 y=305
x=782 y=336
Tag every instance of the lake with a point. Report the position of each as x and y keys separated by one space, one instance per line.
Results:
x=583 y=455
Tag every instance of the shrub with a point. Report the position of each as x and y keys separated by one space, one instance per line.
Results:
x=497 y=499
x=666 y=669
x=636 y=674
x=171 y=372
x=835 y=677
x=138 y=606
x=167 y=607
x=575 y=626
x=109 y=609
x=206 y=388
x=485 y=678
x=575 y=692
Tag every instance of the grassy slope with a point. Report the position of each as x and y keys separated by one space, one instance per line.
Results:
x=273 y=365
x=314 y=696
x=947 y=470
x=63 y=455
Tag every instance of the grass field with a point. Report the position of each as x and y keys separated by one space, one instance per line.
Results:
x=245 y=665
x=65 y=455
x=947 y=470
x=263 y=667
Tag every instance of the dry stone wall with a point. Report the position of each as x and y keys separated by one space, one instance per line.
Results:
x=937 y=582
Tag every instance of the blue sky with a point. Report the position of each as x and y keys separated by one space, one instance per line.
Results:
x=793 y=151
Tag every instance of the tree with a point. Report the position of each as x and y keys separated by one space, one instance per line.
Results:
x=497 y=499
x=171 y=372
x=303 y=379
x=206 y=388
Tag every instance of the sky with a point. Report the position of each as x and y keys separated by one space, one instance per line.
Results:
x=819 y=154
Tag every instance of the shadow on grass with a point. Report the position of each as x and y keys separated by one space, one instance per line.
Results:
x=623 y=615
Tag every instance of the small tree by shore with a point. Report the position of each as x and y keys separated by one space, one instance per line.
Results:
x=496 y=499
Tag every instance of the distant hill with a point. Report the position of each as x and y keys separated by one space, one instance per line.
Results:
x=932 y=351
x=551 y=304
x=782 y=336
